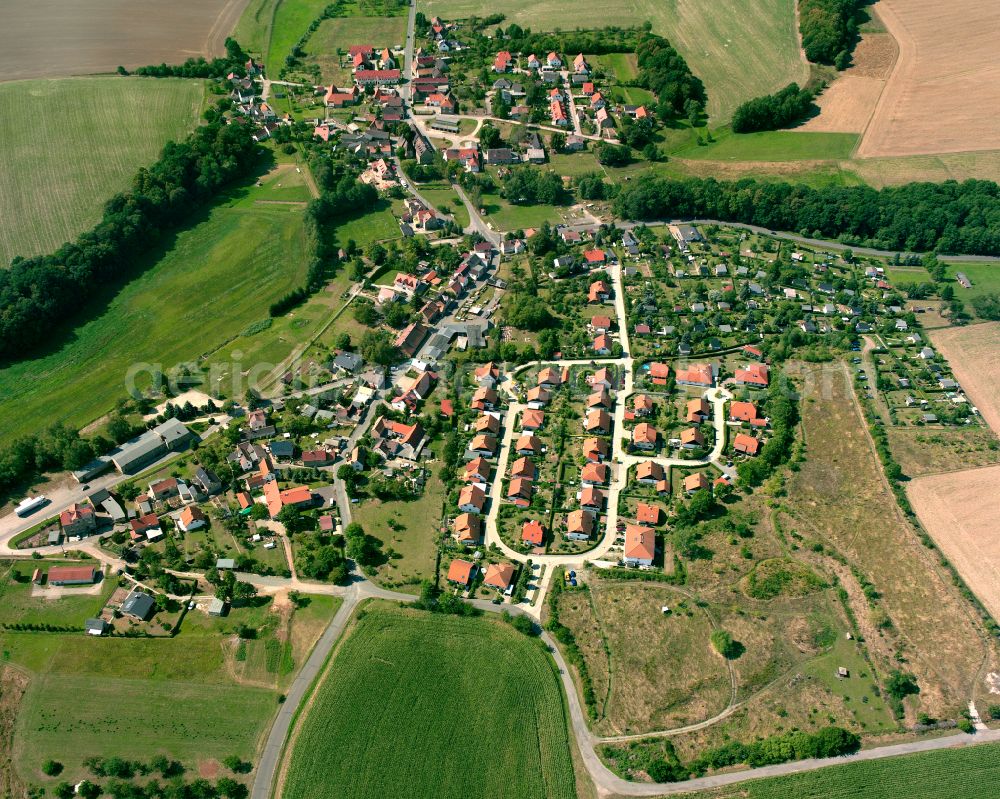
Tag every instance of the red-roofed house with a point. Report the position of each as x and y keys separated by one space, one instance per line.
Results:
x=594 y=474
x=756 y=374
x=659 y=372
x=692 y=438
x=461 y=572
x=698 y=410
x=528 y=445
x=598 y=421
x=648 y=473
x=533 y=533
x=602 y=344
x=532 y=420
x=642 y=404
x=520 y=491
x=595 y=449
x=700 y=374
x=644 y=436
x=523 y=468
x=499 y=576
x=468 y=528
x=579 y=525
x=478 y=470
x=78 y=520
x=599 y=291
x=748 y=445
x=647 y=514
x=502 y=61
x=640 y=545
x=696 y=482
x=471 y=499
x=591 y=499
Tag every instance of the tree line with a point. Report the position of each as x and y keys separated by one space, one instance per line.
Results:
x=829 y=30
x=947 y=217
x=234 y=61
x=38 y=295
x=773 y=111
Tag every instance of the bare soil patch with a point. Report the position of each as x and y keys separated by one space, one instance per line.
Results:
x=974 y=355
x=945 y=83
x=961 y=511
x=847 y=104
x=52 y=38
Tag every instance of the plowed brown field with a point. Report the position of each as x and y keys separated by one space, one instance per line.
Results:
x=943 y=93
x=53 y=38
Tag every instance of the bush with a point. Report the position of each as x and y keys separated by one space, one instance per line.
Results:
x=52 y=768
x=726 y=646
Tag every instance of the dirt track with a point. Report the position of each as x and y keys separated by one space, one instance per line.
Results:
x=945 y=88
x=53 y=38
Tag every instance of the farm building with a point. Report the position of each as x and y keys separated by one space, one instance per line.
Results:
x=72 y=575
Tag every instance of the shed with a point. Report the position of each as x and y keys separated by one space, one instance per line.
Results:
x=217 y=607
x=95 y=626
x=225 y=563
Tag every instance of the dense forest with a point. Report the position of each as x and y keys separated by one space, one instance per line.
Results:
x=773 y=111
x=949 y=217
x=42 y=293
x=829 y=30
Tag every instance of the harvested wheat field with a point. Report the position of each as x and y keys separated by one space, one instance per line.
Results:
x=847 y=104
x=974 y=355
x=53 y=38
x=945 y=88
x=961 y=511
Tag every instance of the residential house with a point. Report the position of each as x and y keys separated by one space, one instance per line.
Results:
x=533 y=533
x=647 y=514
x=756 y=374
x=698 y=410
x=78 y=520
x=747 y=445
x=598 y=421
x=500 y=576
x=191 y=518
x=579 y=525
x=644 y=436
x=468 y=529
x=461 y=572
x=696 y=482
x=471 y=499
x=692 y=438
x=528 y=444
x=640 y=545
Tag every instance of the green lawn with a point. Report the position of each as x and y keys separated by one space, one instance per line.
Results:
x=421 y=705
x=415 y=541
x=133 y=698
x=214 y=280
x=70 y=144
x=254 y=28
x=739 y=48
x=779 y=145
x=957 y=774
x=17 y=604
x=443 y=197
x=506 y=216
x=377 y=225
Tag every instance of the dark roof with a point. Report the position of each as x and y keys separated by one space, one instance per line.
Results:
x=139 y=605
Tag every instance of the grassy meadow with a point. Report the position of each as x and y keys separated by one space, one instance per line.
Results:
x=204 y=286
x=778 y=145
x=70 y=144
x=105 y=696
x=422 y=705
x=739 y=48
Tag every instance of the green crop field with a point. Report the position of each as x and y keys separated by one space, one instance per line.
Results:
x=739 y=48
x=422 y=705
x=956 y=774
x=70 y=144
x=779 y=145
x=215 y=279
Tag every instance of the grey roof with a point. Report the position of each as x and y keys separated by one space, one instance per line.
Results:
x=282 y=449
x=348 y=361
x=172 y=432
x=216 y=607
x=225 y=563
x=138 y=604
x=146 y=446
x=95 y=624
x=97 y=497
